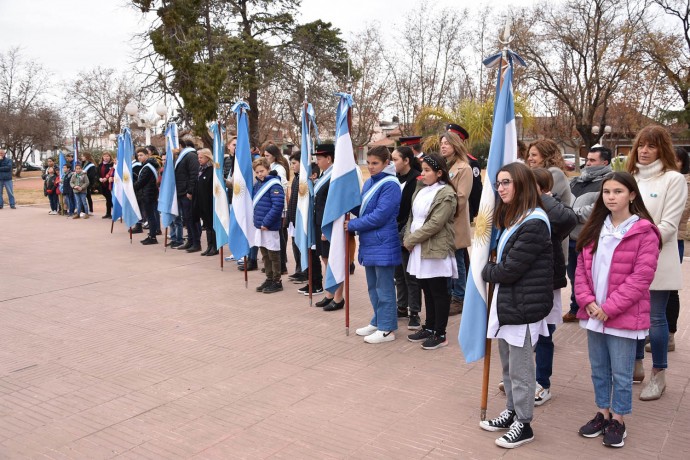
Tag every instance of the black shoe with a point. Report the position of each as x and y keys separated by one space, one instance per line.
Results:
x=323 y=302
x=502 y=422
x=146 y=225
x=518 y=434
x=263 y=285
x=107 y=216
x=149 y=240
x=137 y=229
x=263 y=269
x=615 y=434
x=299 y=279
x=251 y=266
x=212 y=252
x=175 y=245
x=413 y=324
x=333 y=306
x=594 y=427
x=402 y=313
x=435 y=341
x=205 y=252
x=420 y=336
x=185 y=246
x=158 y=232
x=195 y=248
x=275 y=286
x=352 y=268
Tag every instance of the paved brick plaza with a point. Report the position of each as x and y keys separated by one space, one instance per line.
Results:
x=118 y=350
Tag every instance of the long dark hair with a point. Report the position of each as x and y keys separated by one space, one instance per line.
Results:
x=280 y=159
x=525 y=196
x=438 y=163
x=406 y=153
x=590 y=232
x=381 y=152
x=682 y=156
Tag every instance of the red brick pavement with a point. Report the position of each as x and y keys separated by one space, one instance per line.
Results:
x=118 y=350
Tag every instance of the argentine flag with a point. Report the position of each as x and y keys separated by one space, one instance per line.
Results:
x=304 y=220
x=343 y=196
x=123 y=175
x=503 y=150
x=167 y=197
x=221 y=210
x=242 y=213
x=117 y=182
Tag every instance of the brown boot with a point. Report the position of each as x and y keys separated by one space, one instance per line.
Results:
x=455 y=307
x=569 y=318
x=672 y=341
x=638 y=372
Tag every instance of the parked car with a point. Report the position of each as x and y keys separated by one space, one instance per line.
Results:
x=570 y=162
x=30 y=167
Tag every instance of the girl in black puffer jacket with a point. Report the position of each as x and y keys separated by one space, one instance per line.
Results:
x=523 y=296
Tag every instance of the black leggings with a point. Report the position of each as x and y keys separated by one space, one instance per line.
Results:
x=436 y=303
x=89 y=200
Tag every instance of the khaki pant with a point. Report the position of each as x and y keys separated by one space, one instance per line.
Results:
x=271 y=264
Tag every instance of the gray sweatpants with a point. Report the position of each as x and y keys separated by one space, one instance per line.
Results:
x=518 y=377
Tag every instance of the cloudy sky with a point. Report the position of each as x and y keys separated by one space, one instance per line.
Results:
x=68 y=36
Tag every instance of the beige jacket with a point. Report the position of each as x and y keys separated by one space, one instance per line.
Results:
x=461 y=177
x=437 y=234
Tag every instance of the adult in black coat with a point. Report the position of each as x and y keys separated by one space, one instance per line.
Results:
x=92 y=173
x=147 y=186
x=203 y=200
x=186 y=176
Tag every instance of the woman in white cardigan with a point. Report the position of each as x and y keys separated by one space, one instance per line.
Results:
x=653 y=163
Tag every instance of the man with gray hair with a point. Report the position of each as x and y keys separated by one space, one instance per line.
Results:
x=585 y=189
x=6 y=179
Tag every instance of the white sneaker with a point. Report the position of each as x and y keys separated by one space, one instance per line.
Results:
x=81 y=214
x=541 y=395
x=366 y=330
x=230 y=258
x=51 y=213
x=380 y=337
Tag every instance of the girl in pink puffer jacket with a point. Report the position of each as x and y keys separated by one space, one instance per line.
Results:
x=619 y=250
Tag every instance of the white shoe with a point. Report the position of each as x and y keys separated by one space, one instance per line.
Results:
x=366 y=330
x=51 y=213
x=230 y=258
x=380 y=337
x=81 y=214
x=541 y=395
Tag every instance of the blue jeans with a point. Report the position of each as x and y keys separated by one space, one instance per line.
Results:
x=658 y=331
x=82 y=204
x=382 y=295
x=457 y=286
x=176 y=235
x=612 y=360
x=544 y=358
x=70 y=203
x=7 y=185
x=570 y=270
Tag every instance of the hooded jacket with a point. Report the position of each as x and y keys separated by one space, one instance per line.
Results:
x=585 y=190
x=269 y=210
x=562 y=220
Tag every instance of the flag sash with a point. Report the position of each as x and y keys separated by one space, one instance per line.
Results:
x=264 y=188
x=370 y=193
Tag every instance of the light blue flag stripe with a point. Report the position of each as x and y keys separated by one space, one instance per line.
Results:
x=304 y=219
x=130 y=207
x=221 y=210
x=117 y=182
x=503 y=150
x=167 y=197
x=242 y=212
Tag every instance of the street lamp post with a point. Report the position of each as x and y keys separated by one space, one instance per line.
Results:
x=597 y=129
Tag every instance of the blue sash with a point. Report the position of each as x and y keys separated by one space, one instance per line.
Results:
x=155 y=173
x=264 y=189
x=88 y=166
x=323 y=179
x=536 y=213
x=370 y=193
x=182 y=155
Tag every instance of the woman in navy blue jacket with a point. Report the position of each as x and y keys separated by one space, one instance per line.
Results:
x=269 y=201
x=379 y=249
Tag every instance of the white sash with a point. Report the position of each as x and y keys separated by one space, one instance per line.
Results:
x=536 y=213
x=155 y=173
x=264 y=189
x=182 y=155
x=370 y=193
x=88 y=166
x=323 y=179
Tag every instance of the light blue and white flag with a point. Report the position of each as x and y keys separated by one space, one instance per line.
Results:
x=304 y=219
x=62 y=161
x=124 y=187
x=221 y=209
x=167 y=197
x=343 y=196
x=242 y=213
x=503 y=150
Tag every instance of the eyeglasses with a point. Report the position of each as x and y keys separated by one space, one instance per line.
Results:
x=502 y=183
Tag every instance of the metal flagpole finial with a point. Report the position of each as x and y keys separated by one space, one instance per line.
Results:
x=507 y=38
x=349 y=77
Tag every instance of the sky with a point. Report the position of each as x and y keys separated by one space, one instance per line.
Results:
x=69 y=36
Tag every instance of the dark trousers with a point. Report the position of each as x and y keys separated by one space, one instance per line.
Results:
x=53 y=199
x=150 y=211
x=570 y=270
x=271 y=263
x=89 y=200
x=193 y=228
x=210 y=237
x=283 y=248
x=544 y=358
x=407 y=290
x=297 y=255
x=673 y=304
x=108 y=198
x=436 y=302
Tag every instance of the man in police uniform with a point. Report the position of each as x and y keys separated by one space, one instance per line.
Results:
x=415 y=143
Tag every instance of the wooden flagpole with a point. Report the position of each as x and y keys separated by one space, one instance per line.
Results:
x=346 y=291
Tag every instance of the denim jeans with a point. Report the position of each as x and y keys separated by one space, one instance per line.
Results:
x=570 y=270
x=544 y=358
x=612 y=360
x=518 y=377
x=382 y=295
x=82 y=204
x=7 y=185
x=70 y=203
x=176 y=235
x=457 y=287
x=658 y=331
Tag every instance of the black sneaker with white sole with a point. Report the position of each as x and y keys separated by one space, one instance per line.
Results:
x=420 y=336
x=502 y=422
x=262 y=286
x=594 y=427
x=435 y=341
x=413 y=323
x=615 y=434
x=315 y=291
x=274 y=286
x=518 y=434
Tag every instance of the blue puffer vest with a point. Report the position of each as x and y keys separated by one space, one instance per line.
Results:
x=377 y=226
x=269 y=210
x=6 y=168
